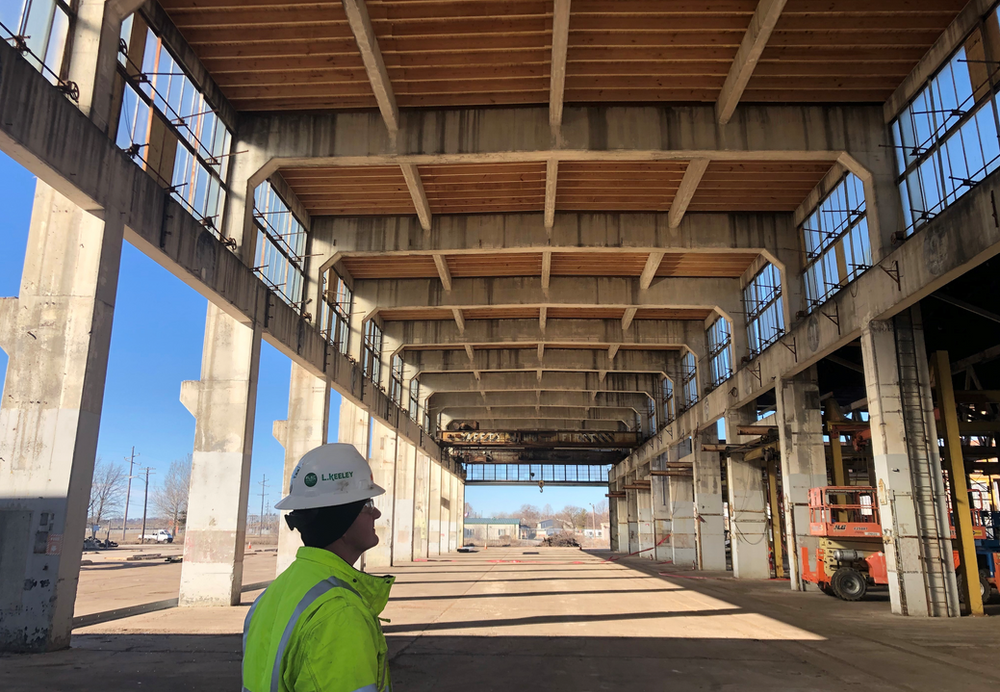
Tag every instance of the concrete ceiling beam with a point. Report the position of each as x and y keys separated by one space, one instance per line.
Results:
x=416 y=187
x=550 y=424
x=762 y=24
x=761 y=132
x=444 y=400
x=616 y=232
x=526 y=381
x=598 y=333
x=557 y=71
x=500 y=360
x=444 y=274
x=371 y=56
x=564 y=291
x=685 y=193
x=543 y=412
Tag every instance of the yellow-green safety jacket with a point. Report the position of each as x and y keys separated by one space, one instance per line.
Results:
x=316 y=629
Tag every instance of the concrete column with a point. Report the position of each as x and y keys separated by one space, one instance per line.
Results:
x=56 y=334
x=683 y=537
x=747 y=506
x=622 y=517
x=355 y=426
x=461 y=513
x=912 y=500
x=456 y=512
x=660 y=489
x=803 y=463
x=421 y=494
x=445 y=523
x=223 y=403
x=402 y=517
x=632 y=503
x=383 y=463
x=644 y=507
x=304 y=430
x=613 y=517
x=434 y=511
x=710 y=525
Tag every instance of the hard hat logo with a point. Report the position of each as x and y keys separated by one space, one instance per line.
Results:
x=330 y=475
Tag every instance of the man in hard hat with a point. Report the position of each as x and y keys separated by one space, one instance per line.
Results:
x=316 y=627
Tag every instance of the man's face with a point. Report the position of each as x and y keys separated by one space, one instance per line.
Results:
x=361 y=536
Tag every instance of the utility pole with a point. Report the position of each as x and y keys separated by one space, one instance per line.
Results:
x=263 y=493
x=594 y=515
x=128 y=493
x=145 y=500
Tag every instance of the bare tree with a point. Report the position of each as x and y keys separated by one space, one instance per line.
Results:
x=171 y=497
x=107 y=491
x=530 y=515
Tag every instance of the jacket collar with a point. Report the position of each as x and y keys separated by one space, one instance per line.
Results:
x=374 y=590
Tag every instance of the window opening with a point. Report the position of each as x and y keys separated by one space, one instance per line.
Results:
x=947 y=139
x=396 y=380
x=836 y=240
x=414 y=400
x=281 y=245
x=689 y=379
x=668 y=401
x=338 y=300
x=764 y=310
x=720 y=360
x=167 y=125
x=651 y=415
x=372 y=352
x=39 y=30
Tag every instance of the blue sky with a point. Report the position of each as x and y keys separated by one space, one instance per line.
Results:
x=156 y=344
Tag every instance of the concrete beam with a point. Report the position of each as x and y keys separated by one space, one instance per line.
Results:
x=557 y=71
x=86 y=167
x=764 y=19
x=442 y=401
x=416 y=187
x=459 y=320
x=443 y=272
x=649 y=271
x=371 y=56
x=685 y=193
x=564 y=291
x=589 y=133
x=550 y=381
x=550 y=424
x=551 y=184
x=628 y=317
x=500 y=360
x=540 y=412
x=543 y=315
x=572 y=232
x=598 y=333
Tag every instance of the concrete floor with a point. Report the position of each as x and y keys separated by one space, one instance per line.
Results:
x=562 y=619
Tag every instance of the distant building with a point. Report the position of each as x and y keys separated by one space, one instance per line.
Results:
x=498 y=531
x=551 y=527
x=602 y=532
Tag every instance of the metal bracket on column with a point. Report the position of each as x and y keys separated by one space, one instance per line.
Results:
x=757 y=375
x=893 y=273
x=791 y=348
x=835 y=317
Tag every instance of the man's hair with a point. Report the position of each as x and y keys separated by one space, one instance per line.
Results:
x=321 y=526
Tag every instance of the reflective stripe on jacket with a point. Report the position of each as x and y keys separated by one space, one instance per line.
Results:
x=316 y=629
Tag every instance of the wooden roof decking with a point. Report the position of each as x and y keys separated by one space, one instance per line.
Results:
x=846 y=51
x=270 y=55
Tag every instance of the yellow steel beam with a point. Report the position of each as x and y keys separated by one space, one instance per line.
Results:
x=955 y=463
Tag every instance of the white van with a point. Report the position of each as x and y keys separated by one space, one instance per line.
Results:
x=161 y=536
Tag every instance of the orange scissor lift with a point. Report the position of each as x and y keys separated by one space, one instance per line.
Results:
x=850 y=557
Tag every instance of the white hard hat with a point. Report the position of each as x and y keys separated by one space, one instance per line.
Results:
x=334 y=474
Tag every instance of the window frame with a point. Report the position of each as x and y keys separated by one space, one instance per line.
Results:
x=760 y=306
x=720 y=353
x=371 y=351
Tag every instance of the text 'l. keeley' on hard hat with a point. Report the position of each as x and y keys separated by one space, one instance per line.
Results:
x=334 y=474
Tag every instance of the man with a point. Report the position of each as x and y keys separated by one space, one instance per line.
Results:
x=316 y=627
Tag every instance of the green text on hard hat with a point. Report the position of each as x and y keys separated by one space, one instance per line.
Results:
x=336 y=476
